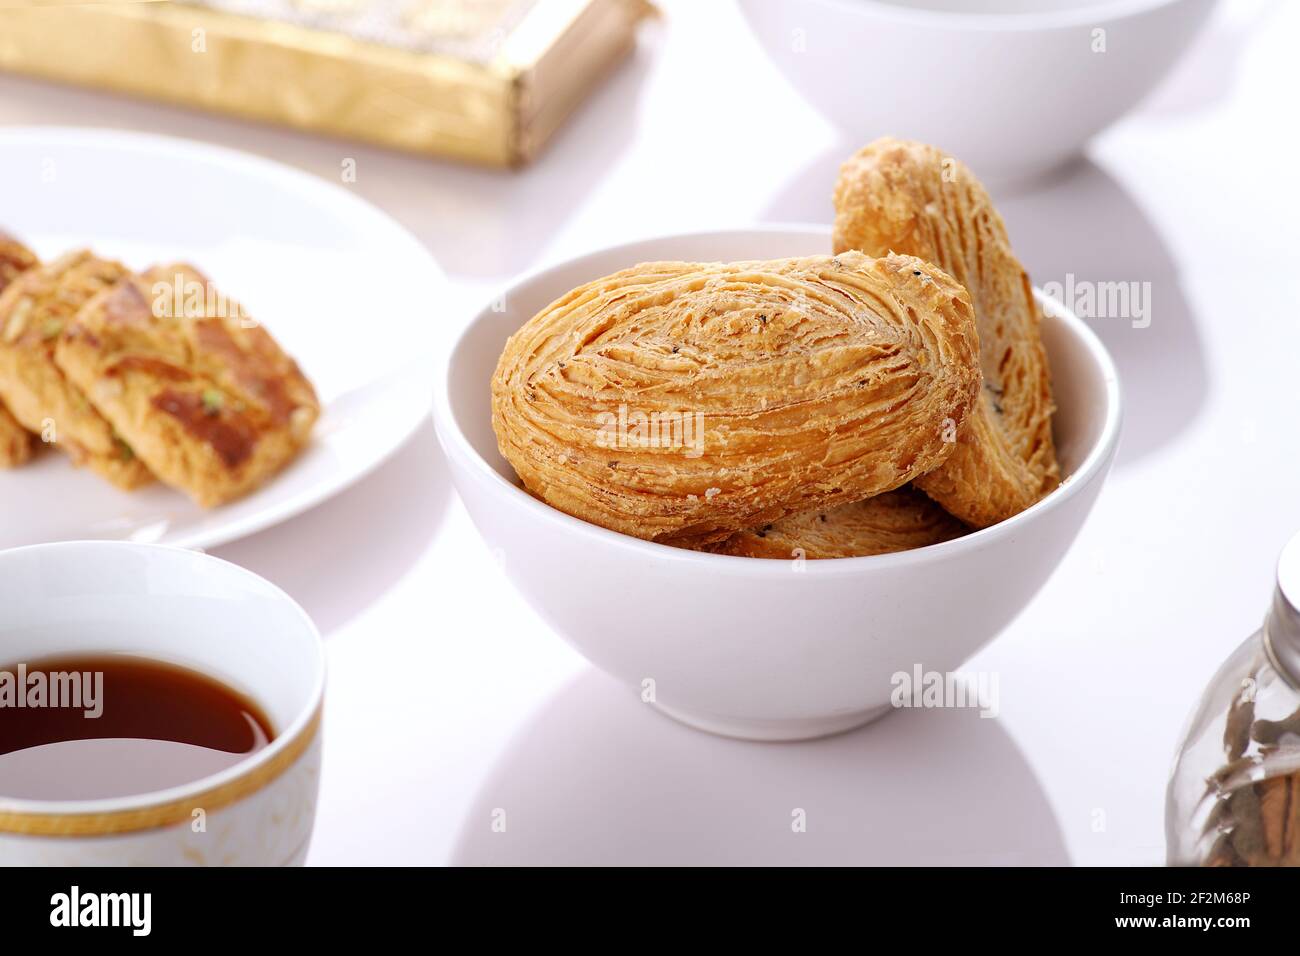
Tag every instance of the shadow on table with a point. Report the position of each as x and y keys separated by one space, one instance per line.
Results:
x=1205 y=75
x=1082 y=231
x=598 y=778
x=340 y=557
x=476 y=221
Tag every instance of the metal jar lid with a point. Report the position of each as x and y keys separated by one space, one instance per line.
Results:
x=1282 y=627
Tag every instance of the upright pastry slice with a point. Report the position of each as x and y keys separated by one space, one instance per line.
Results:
x=34 y=311
x=895 y=521
x=910 y=198
x=16 y=442
x=682 y=402
x=204 y=395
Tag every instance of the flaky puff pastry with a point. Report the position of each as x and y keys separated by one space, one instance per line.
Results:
x=798 y=384
x=894 y=521
x=16 y=442
x=898 y=196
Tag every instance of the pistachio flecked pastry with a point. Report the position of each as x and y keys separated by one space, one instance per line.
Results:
x=206 y=397
x=787 y=386
x=907 y=197
x=16 y=442
x=894 y=521
x=34 y=311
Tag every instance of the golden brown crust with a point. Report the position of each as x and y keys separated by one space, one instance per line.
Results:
x=15 y=259
x=908 y=197
x=34 y=311
x=205 y=397
x=798 y=384
x=17 y=444
x=894 y=521
x=121 y=469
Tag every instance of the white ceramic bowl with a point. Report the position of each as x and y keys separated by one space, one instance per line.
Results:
x=748 y=647
x=182 y=607
x=1011 y=87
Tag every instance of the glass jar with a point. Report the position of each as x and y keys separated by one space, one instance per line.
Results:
x=1234 y=795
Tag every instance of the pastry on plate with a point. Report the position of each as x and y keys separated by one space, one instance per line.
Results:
x=15 y=259
x=206 y=398
x=906 y=197
x=16 y=442
x=681 y=402
x=894 y=521
x=35 y=310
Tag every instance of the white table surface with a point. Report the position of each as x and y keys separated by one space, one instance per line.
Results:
x=449 y=699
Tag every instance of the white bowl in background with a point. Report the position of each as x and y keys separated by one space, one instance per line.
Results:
x=749 y=647
x=1013 y=88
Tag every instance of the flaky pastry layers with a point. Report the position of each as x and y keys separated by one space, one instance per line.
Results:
x=34 y=311
x=907 y=197
x=894 y=521
x=16 y=442
x=681 y=402
x=209 y=401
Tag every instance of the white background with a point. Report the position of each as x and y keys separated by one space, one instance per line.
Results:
x=448 y=699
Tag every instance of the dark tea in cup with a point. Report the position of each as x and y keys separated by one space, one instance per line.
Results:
x=95 y=727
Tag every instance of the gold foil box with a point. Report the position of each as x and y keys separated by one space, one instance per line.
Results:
x=482 y=80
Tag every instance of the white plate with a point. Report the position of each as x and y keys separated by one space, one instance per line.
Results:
x=346 y=290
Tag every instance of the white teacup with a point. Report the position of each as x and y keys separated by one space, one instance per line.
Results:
x=189 y=609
